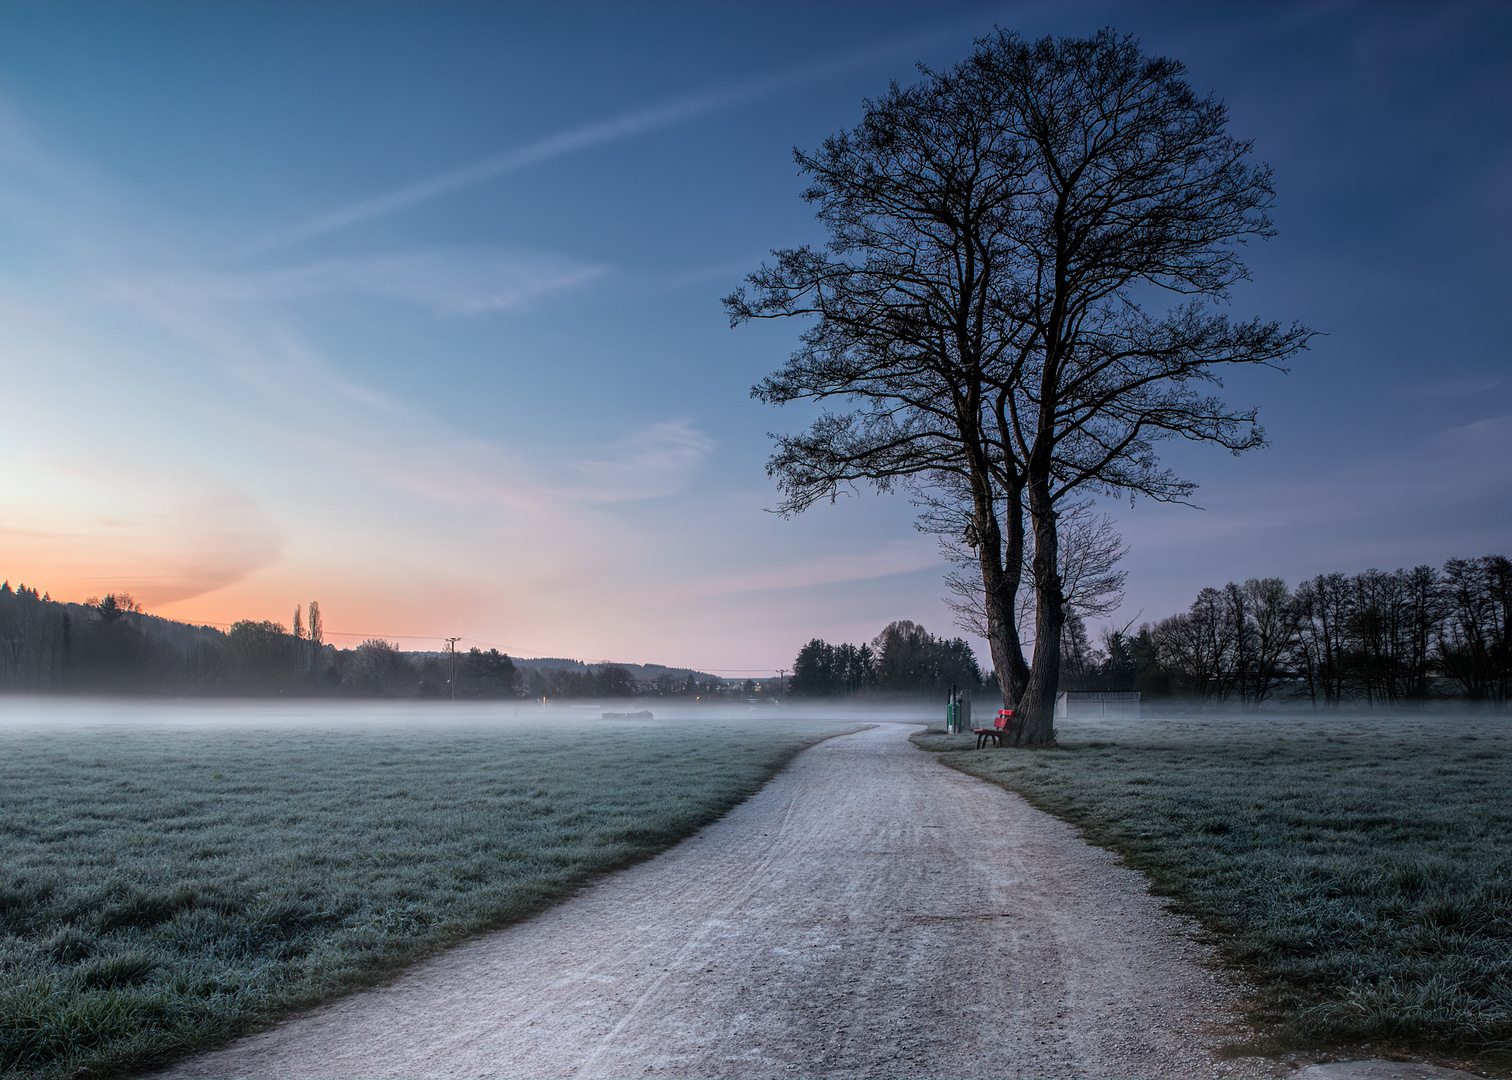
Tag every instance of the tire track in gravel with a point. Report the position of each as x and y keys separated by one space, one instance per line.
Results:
x=867 y=913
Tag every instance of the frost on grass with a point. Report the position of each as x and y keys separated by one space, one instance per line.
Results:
x=1360 y=867
x=160 y=890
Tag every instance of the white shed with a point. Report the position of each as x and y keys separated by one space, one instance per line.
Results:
x=1069 y=704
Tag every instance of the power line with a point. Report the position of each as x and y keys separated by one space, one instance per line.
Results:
x=451 y=647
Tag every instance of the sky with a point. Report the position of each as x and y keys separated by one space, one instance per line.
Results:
x=414 y=310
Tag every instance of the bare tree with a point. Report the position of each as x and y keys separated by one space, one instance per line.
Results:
x=1090 y=550
x=1136 y=190
x=1476 y=641
x=911 y=300
x=1274 y=633
x=1198 y=647
x=1232 y=642
x=1423 y=617
x=1325 y=606
x=994 y=231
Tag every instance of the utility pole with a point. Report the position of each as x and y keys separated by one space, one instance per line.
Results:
x=781 y=681
x=451 y=647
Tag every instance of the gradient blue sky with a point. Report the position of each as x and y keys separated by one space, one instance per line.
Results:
x=414 y=310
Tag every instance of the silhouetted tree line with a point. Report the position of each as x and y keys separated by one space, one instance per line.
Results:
x=379 y=668
x=1373 y=637
x=690 y=685
x=104 y=645
x=110 y=646
x=903 y=657
x=600 y=681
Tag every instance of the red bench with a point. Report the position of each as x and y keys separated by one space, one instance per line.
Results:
x=1000 y=727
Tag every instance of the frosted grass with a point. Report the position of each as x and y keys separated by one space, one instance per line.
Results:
x=171 y=876
x=1359 y=867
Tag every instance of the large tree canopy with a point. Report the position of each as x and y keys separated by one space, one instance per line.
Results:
x=989 y=306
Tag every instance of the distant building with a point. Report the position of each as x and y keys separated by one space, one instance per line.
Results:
x=1070 y=704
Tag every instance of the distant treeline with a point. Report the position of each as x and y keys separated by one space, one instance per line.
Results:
x=1374 y=637
x=903 y=657
x=614 y=680
x=110 y=646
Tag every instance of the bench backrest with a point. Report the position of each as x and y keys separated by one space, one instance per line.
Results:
x=1003 y=716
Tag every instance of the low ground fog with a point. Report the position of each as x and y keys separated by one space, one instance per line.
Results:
x=171 y=874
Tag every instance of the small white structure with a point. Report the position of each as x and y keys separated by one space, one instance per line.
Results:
x=1070 y=704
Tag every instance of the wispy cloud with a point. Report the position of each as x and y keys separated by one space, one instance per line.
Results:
x=101 y=527
x=653 y=462
x=449 y=281
x=1453 y=388
x=602 y=132
x=902 y=556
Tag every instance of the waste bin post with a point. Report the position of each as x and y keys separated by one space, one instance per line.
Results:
x=953 y=713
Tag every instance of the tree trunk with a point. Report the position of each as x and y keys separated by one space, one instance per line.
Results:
x=1000 y=585
x=1036 y=709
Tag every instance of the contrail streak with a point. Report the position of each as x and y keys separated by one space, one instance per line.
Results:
x=598 y=133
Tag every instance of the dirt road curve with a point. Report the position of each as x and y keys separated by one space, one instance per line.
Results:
x=868 y=913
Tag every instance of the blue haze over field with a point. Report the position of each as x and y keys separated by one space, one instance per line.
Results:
x=414 y=311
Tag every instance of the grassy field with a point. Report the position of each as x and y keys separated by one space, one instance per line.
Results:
x=165 y=886
x=1359 y=867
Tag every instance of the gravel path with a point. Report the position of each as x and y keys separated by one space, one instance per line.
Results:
x=868 y=913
